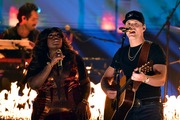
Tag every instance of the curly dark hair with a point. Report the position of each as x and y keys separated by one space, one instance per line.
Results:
x=41 y=44
x=25 y=10
x=41 y=50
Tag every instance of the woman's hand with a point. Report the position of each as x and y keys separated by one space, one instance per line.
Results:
x=58 y=56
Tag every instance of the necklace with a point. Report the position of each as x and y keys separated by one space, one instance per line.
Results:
x=129 y=51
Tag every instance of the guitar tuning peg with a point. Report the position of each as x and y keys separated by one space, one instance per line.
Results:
x=151 y=68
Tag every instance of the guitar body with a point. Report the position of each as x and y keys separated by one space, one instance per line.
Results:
x=127 y=97
x=125 y=104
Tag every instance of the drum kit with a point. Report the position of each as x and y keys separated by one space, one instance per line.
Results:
x=13 y=68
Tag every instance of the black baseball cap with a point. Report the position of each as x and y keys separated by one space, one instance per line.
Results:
x=134 y=15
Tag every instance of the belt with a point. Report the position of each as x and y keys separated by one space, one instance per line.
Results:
x=148 y=101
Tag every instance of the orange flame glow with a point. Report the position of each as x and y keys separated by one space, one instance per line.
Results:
x=172 y=108
x=96 y=102
x=13 y=106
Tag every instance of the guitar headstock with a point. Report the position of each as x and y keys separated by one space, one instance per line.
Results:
x=147 y=67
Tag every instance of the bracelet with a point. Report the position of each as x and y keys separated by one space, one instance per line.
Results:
x=146 y=81
x=48 y=63
x=85 y=101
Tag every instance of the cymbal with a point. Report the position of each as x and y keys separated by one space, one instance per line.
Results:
x=177 y=61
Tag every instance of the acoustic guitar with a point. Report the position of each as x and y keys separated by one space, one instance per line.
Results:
x=126 y=99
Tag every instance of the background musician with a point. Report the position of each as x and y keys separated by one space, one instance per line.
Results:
x=25 y=29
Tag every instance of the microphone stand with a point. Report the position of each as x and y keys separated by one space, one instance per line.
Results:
x=117 y=79
x=167 y=23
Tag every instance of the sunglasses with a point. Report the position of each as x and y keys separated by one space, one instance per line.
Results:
x=53 y=35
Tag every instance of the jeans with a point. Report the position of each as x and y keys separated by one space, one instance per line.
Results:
x=153 y=111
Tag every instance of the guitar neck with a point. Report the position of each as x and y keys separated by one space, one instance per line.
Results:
x=128 y=82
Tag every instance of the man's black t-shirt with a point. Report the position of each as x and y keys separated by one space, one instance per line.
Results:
x=121 y=61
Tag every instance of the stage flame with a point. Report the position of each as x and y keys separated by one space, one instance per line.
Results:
x=13 y=106
x=96 y=102
x=172 y=108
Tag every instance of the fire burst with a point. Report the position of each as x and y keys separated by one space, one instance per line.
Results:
x=172 y=108
x=13 y=106
x=96 y=102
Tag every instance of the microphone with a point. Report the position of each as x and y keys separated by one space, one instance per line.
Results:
x=59 y=52
x=123 y=29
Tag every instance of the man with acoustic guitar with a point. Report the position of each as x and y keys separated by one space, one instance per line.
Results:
x=144 y=70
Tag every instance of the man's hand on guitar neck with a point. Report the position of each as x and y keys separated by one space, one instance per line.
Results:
x=139 y=76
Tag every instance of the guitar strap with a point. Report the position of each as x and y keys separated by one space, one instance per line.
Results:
x=142 y=60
